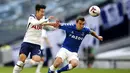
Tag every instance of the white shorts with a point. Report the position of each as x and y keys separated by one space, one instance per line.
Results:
x=67 y=55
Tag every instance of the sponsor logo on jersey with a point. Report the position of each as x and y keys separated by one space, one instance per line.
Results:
x=37 y=27
x=75 y=37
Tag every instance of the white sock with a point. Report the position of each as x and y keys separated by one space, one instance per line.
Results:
x=70 y=66
x=52 y=68
x=39 y=67
x=30 y=61
x=18 y=67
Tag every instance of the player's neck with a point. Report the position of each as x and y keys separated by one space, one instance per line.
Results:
x=37 y=16
x=77 y=28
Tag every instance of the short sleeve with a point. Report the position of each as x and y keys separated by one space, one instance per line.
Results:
x=88 y=30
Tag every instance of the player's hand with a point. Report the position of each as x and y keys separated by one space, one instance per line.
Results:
x=57 y=24
x=100 y=38
x=57 y=21
x=51 y=17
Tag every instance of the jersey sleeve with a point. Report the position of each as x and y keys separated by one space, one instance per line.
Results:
x=45 y=19
x=88 y=30
x=44 y=34
x=65 y=26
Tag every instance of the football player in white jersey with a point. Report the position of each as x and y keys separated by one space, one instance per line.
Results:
x=32 y=39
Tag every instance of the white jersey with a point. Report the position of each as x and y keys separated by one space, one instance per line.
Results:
x=34 y=30
x=43 y=42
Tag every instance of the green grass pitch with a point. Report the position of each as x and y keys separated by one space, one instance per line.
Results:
x=77 y=70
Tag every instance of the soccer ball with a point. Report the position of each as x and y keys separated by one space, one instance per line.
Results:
x=94 y=11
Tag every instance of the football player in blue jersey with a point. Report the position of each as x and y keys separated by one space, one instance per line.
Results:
x=75 y=33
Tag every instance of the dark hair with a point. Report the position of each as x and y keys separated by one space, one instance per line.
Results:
x=38 y=7
x=80 y=18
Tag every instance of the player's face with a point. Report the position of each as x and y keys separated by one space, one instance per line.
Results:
x=80 y=24
x=40 y=13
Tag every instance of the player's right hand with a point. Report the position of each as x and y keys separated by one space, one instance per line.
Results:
x=51 y=17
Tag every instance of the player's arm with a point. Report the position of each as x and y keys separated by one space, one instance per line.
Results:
x=34 y=21
x=59 y=25
x=55 y=24
x=49 y=23
x=93 y=33
x=63 y=26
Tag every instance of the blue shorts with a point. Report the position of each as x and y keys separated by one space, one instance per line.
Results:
x=33 y=49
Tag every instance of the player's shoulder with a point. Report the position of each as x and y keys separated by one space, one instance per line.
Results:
x=32 y=16
x=86 y=28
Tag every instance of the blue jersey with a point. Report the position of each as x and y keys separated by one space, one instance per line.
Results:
x=74 y=37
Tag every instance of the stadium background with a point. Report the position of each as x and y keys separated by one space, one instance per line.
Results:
x=111 y=55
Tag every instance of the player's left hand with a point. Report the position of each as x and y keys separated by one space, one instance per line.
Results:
x=57 y=21
x=100 y=38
